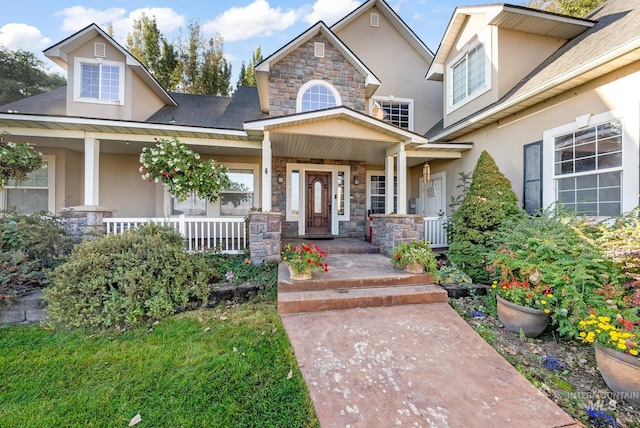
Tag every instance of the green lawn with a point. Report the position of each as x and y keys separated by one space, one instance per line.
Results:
x=224 y=368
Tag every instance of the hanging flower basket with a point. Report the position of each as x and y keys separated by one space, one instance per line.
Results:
x=16 y=161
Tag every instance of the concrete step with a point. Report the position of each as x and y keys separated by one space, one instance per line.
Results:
x=352 y=271
x=349 y=298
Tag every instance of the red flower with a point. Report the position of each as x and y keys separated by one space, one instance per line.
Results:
x=398 y=256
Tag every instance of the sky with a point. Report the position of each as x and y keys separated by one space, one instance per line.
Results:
x=244 y=24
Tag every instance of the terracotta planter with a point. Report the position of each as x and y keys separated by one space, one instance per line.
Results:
x=299 y=276
x=621 y=373
x=414 y=268
x=531 y=321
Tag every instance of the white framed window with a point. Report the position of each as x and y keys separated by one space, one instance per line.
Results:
x=393 y=110
x=238 y=199
x=588 y=169
x=317 y=95
x=98 y=81
x=376 y=192
x=235 y=200
x=469 y=74
x=35 y=193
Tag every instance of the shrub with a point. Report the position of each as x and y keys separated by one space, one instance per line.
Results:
x=621 y=242
x=557 y=250
x=489 y=202
x=414 y=252
x=124 y=280
x=30 y=245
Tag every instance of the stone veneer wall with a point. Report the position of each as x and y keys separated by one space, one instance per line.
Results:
x=353 y=228
x=265 y=242
x=390 y=230
x=301 y=65
x=86 y=221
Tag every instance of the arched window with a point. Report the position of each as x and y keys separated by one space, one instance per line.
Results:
x=317 y=95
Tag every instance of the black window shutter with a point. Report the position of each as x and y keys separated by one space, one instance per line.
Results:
x=532 y=194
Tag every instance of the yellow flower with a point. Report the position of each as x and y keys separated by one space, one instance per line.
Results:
x=590 y=339
x=583 y=334
x=633 y=352
x=592 y=316
x=546 y=311
x=550 y=296
x=544 y=302
x=622 y=346
x=582 y=323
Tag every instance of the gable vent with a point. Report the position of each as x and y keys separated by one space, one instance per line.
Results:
x=318 y=49
x=99 y=49
x=374 y=20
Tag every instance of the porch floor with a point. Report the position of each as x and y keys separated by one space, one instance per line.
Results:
x=338 y=245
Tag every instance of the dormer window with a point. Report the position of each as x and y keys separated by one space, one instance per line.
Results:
x=317 y=95
x=98 y=81
x=468 y=76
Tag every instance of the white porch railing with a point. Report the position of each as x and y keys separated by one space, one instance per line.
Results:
x=435 y=233
x=227 y=235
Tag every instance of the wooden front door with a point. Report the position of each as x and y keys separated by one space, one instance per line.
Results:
x=318 y=204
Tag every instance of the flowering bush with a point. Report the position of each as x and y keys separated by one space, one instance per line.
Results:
x=522 y=286
x=414 y=252
x=619 y=334
x=304 y=258
x=179 y=168
x=17 y=160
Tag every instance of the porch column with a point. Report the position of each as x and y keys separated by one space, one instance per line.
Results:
x=91 y=171
x=402 y=181
x=388 y=178
x=266 y=173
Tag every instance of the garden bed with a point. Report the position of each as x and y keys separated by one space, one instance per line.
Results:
x=564 y=370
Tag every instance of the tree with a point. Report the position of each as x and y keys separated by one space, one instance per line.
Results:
x=489 y=202
x=145 y=41
x=248 y=72
x=169 y=67
x=23 y=75
x=215 y=71
x=578 y=8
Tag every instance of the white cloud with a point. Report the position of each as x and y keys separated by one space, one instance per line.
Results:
x=78 y=17
x=240 y=23
x=15 y=36
x=330 y=11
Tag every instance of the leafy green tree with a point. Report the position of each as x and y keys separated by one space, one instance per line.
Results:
x=215 y=71
x=578 y=8
x=248 y=72
x=145 y=41
x=169 y=67
x=489 y=202
x=23 y=75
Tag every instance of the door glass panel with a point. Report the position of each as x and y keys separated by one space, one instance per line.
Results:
x=295 y=192
x=317 y=198
x=340 y=193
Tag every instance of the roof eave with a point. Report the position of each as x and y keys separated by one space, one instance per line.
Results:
x=617 y=58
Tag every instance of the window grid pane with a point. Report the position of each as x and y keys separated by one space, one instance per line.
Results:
x=100 y=82
x=317 y=97
x=90 y=87
x=460 y=81
x=395 y=113
x=476 y=69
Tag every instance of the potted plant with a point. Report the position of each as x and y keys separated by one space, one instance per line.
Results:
x=524 y=300
x=414 y=257
x=303 y=259
x=617 y=348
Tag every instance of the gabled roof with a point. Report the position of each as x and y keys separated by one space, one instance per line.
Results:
x=262 y=70
x=613 y=42
x=509 y=17
x=59 y=52
x=395 y=21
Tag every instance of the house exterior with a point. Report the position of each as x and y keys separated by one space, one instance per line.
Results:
x=357 y=118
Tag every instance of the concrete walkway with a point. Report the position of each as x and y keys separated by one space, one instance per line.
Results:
x=411 y=366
